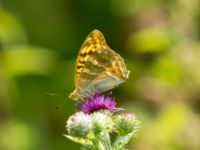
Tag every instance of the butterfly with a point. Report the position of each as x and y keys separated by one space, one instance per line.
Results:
x=97 y=68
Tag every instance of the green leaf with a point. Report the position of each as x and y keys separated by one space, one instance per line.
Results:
x=121 y=141
x=79 y=140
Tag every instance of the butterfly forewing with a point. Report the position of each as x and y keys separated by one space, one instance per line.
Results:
x=86 y=58
x=97 y=67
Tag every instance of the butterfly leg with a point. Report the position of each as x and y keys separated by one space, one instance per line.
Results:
x=86 y=93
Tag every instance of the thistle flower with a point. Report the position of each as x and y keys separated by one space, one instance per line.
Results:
x=126 y=123
x=98 y=102
x=79 y=124
x=101 y=121
x=93 y=126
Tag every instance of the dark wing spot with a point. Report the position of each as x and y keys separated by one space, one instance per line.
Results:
x=78 y=67
x=113 y=71
x=81 y=61
x=83 y=54
x=90 y=53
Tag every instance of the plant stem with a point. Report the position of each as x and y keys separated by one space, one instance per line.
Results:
x=106 y=140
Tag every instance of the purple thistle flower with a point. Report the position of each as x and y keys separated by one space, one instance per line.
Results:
x=97 y=102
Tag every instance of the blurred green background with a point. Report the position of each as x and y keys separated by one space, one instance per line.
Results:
x=159 y=40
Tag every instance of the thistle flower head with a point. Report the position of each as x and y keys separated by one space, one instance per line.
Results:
x=93 y=125
x=79 y=124
x=97 y=102
x=102 y=121
x=126 y=123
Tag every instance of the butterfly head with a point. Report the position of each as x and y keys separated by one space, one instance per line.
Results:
x=75 y=96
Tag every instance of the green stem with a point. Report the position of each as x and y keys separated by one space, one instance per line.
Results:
x=102 y=142
x=105 y=140
x=108 y=140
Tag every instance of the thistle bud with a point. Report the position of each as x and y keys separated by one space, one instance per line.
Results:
x=101 y=121
x=126 y=123
x=79 y=125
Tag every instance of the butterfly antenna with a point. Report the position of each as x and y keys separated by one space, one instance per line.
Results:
x=55 y=94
